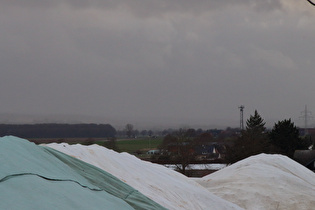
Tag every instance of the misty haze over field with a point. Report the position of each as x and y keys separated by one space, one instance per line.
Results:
x=156 y=63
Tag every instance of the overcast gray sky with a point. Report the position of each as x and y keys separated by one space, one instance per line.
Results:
x=178 y=62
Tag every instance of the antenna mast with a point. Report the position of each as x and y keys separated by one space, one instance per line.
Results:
x=241 y=117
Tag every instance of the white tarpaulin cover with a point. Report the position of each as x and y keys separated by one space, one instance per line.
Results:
x=163 y=185
x=264 y=182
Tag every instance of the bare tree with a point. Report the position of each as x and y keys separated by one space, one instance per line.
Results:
x=181 y=149
x=129 y=130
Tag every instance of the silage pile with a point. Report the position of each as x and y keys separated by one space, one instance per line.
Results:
x=165 y=186
x=264 y=182
x=259 y=182
x=35 y=177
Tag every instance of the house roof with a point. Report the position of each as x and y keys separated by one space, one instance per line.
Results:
x=304 y=156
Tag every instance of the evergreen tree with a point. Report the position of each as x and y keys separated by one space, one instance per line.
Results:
x=255 y=130
x=286 y=138
x=252 y=141
x=255 y=125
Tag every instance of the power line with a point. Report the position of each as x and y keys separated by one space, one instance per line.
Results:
x=311 y=2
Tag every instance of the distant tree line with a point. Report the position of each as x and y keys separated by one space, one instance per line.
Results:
x=58 y=130
x=219 y=134
x=130 y=132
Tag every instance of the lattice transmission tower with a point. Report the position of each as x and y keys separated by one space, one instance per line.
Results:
x=241 y=117
x=306 y=115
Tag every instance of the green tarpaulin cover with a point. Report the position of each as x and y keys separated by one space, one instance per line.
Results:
x=35 y=177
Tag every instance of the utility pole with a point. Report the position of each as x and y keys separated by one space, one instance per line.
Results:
x=306 y=115
x=241 y=117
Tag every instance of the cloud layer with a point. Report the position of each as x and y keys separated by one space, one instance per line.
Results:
x=161 y=61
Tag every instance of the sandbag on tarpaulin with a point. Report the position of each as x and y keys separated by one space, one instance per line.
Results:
x=35 y=177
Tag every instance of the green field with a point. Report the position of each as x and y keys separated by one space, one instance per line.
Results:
x=134 y=145
x=138 y=146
